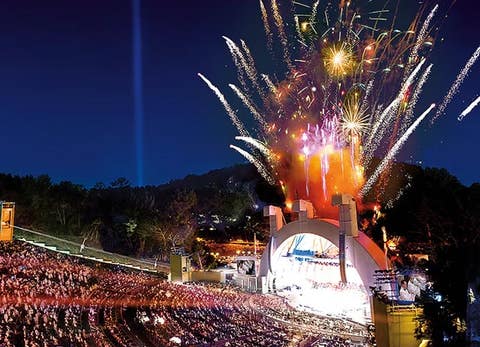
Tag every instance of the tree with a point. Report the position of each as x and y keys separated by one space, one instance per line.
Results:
x=92 y=231
x=180 y=217
x=440 y=211
x=120 y=182
x=67 y=202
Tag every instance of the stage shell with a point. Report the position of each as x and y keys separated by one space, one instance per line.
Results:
x=361 y=252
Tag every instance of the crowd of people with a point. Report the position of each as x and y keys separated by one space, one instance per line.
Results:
x=36 y=307
x=279 y=308
x=209 y=315
x=51 y=299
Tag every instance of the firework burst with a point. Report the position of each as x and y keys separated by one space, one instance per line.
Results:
x=338 y=61
x=354 y=120
x=352 y=74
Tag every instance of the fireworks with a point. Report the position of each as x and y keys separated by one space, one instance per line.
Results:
x=415 y=97
x=353 y=74
x=458 y=82
x=469 y=108
x=392 y=153
x=248 y=104
x=266 y=25
x=281 y=32
x=354 y=120
x=257 y=163
x=338 y=61
x=226 y=105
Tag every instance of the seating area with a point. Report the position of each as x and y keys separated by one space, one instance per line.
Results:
x=51 y=299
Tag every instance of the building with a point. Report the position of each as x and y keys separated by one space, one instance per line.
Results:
x=7 y=214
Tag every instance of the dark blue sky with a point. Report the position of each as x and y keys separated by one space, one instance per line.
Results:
x=66 y=98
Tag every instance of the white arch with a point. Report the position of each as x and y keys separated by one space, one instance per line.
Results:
x=361 y=251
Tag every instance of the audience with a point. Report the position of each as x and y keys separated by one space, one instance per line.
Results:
x=49 y=299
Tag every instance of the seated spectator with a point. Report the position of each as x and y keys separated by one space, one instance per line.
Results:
x=404 y=295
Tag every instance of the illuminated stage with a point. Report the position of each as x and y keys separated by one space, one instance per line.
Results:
x=321 y=265
x=306 y=272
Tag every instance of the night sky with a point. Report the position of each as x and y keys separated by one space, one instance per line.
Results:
x=66 y=95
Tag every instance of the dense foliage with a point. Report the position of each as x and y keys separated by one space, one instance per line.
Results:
x=439 y=216
x=146 y=221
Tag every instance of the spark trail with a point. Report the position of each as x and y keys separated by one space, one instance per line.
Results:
x=469 y=109
x=415 y=97
x=257 y=163
x=248 y=104
x=281 y=32
x=456 y=85
x=266 y=25
x=421 y=37
x=233 y=116
x=255 y=143
x=393 y=152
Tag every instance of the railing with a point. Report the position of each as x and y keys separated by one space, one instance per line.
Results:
x=395 y=307
x=76 y=249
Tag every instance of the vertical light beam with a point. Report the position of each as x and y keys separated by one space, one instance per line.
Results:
x=137 y=87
